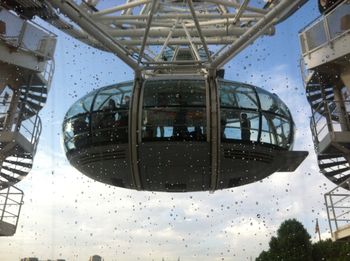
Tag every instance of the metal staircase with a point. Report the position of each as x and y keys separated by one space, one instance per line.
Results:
x=326 y=70
x=26 y=60
x=327 y=121
x=327 y=93
x=11 y=201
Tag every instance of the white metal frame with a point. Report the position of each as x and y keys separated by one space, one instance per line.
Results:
x=139 y=31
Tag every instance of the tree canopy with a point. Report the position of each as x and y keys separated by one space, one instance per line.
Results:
x=292 y=243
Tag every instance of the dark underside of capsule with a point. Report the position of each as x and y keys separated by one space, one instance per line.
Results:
x=183 y=166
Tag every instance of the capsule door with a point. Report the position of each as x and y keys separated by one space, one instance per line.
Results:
x=174 y=151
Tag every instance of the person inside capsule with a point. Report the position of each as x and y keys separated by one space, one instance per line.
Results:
x=177 y=110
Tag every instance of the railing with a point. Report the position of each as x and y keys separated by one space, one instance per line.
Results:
x=11 y=201
x=330 y=120
x=325 y=29
x=48 y=72
x=27 y=35
x=29 y=127
x=338 y=207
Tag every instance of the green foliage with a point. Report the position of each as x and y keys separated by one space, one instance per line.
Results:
x=331 y=251
x=293 y=244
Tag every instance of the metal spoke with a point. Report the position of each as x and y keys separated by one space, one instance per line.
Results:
x=139 y=32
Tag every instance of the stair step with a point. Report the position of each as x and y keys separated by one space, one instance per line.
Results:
x=329 y=156
x=9 y=178
x=342 y=179
x=312 y=87
x=33 y=105
x=336 y=172
x=28 y=112
x=332 y=164
x=35 y=89
x=317 y=96
x=19 y=163
x=16 y=171
x=38 y=98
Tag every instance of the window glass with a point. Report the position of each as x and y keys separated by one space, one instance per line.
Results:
x=82 y=106
x=271 y=102
x=174 y=110
x=110 y=115
x=237 y=95
x=239 y=125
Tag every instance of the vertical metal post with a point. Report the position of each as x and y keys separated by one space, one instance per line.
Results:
x=11 y=113
x=21 y=34
x=214 y=130
x=333 y=211
x=134 y=130
x=340 y=105
x=20 y=206
x=328 y=216
x=23 y=102
x=5 y=203
x=327 y=31
x=326 y=109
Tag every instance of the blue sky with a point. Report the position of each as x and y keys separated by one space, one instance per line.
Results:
x=67 y=215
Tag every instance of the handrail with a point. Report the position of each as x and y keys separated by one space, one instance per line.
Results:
x=324 y=31
x=323 y=124
x=48 y=72
x=30 y=127
x=28 y=35
x=11 y=201
x=337 y=209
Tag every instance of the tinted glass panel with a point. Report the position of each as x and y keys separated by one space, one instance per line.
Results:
x=81 y=106
x=174 y=110
x=271 y=102
x=237 y=95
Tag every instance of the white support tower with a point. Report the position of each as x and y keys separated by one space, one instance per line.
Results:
x=26 y=62
x=326 y=50
x=326 y=72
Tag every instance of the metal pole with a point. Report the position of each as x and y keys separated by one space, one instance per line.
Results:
x=11 y=113
x=254 y=32
x=333 y=211
x=214 y=130
x=340 y=105
x=5 y=203
x=72 y=10
x=327 y=208
x=134 y=130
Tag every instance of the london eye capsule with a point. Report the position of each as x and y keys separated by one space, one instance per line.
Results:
x=180 y=134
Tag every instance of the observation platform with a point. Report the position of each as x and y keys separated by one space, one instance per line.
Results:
x=327 y=39
x=166 y=134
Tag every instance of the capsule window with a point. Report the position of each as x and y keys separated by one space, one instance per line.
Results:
x=174 y=110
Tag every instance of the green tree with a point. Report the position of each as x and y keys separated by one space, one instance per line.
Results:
x=331 y=251
x=291 y=244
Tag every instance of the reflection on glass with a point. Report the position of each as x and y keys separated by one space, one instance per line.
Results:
x=339 y=20
x=99 y=118
x=174 y=110
x=250 y=114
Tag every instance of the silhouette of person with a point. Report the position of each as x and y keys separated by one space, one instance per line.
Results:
x=180 y=130
x=126 y=102
x=109 y=114
x=124 y=114
x=124 y=119
x=245 y=127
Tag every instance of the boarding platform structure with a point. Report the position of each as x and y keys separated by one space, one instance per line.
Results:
x=27 y=66
x=325 y=67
